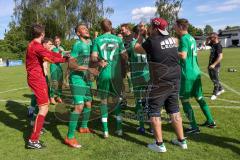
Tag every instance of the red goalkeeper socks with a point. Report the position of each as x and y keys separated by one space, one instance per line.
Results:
x=37 y=128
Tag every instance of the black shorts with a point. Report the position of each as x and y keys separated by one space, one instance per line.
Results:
x=163 y=94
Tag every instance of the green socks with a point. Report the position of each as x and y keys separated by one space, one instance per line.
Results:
x=206 y=110
x=117 y=112
x=139 y=113
x=104 y=114
x=86 y=116
x=190 y=114
x=72 y=124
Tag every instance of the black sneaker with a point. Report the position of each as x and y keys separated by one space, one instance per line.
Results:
x=192 y=130
x=210 y=125
x=35 y=145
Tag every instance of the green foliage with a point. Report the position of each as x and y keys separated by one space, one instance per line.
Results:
x=59 y=17
x=14 y=40
x=169 y=10
x=195 y=31
x=208 y=30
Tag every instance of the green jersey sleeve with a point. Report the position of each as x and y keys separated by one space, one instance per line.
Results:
x=76 y=49
x=183 y=45
x=95 y=47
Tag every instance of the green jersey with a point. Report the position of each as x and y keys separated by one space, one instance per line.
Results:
x=81 y=52
x=109 y=47
x=138 y=63
x=59 y=49
x=189 y=66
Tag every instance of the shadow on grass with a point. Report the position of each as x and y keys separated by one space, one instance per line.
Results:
x=21 y=123
x=219 y=141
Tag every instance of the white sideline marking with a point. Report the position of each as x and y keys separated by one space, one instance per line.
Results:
x=231 y=107
x=226 y=100
x=224 y=85
x=13 y=90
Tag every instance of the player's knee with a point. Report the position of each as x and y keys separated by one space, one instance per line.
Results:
x=201 y=101
x=78 y=108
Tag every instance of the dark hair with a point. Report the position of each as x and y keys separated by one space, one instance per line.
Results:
x=56 y=37
x=183 y=24
x=78 y=25
x=106 y=25
x=37 y=30
x=46 y=40
x=126 y=25
x=136 y=29
x=214 y=34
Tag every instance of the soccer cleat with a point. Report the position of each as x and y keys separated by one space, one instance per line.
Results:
x=192 y=130
x=210 y=125
x=35 y=145
x=72 y=143
x=59 y=100
x=157 y=148
x=141 y=130
x=105 y=134
x=213 y=97
x=52 y=101
x=220 y=92
x=30 y=112
x=86 y=130
x=119 y=132
x=182 y=144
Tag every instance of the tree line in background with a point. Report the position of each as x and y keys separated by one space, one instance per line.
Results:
x=61 y=16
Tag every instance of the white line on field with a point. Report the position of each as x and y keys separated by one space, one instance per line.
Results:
x=232 y=107
x=226 y=100
x=13 y=90
x=224 y=85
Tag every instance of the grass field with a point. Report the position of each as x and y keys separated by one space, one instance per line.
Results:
x=212 y=144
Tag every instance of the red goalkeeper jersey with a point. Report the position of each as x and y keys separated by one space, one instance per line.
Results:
x=36 y=54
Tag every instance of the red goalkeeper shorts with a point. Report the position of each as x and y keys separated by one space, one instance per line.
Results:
x=40 y=90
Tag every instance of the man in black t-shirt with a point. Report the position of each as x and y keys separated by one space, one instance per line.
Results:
x=162 y=56
x=215 y=58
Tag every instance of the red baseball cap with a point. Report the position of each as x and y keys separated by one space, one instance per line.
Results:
x=161 y=24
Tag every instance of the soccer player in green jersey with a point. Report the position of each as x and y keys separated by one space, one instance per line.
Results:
x=108 y=48
x=56 y=73
x=80 y=85
x=139 y=76
x=191 y=85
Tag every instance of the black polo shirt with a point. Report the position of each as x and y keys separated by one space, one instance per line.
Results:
x=216 y=50
x=162 y=55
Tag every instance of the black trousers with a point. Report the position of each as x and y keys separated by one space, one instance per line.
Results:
x=214 y=76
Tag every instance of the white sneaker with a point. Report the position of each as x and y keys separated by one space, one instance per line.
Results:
x=119 y=132
x=157 y=148
x=182 y=144
x=214 y=97
x=220 y=92
x=105 y=134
